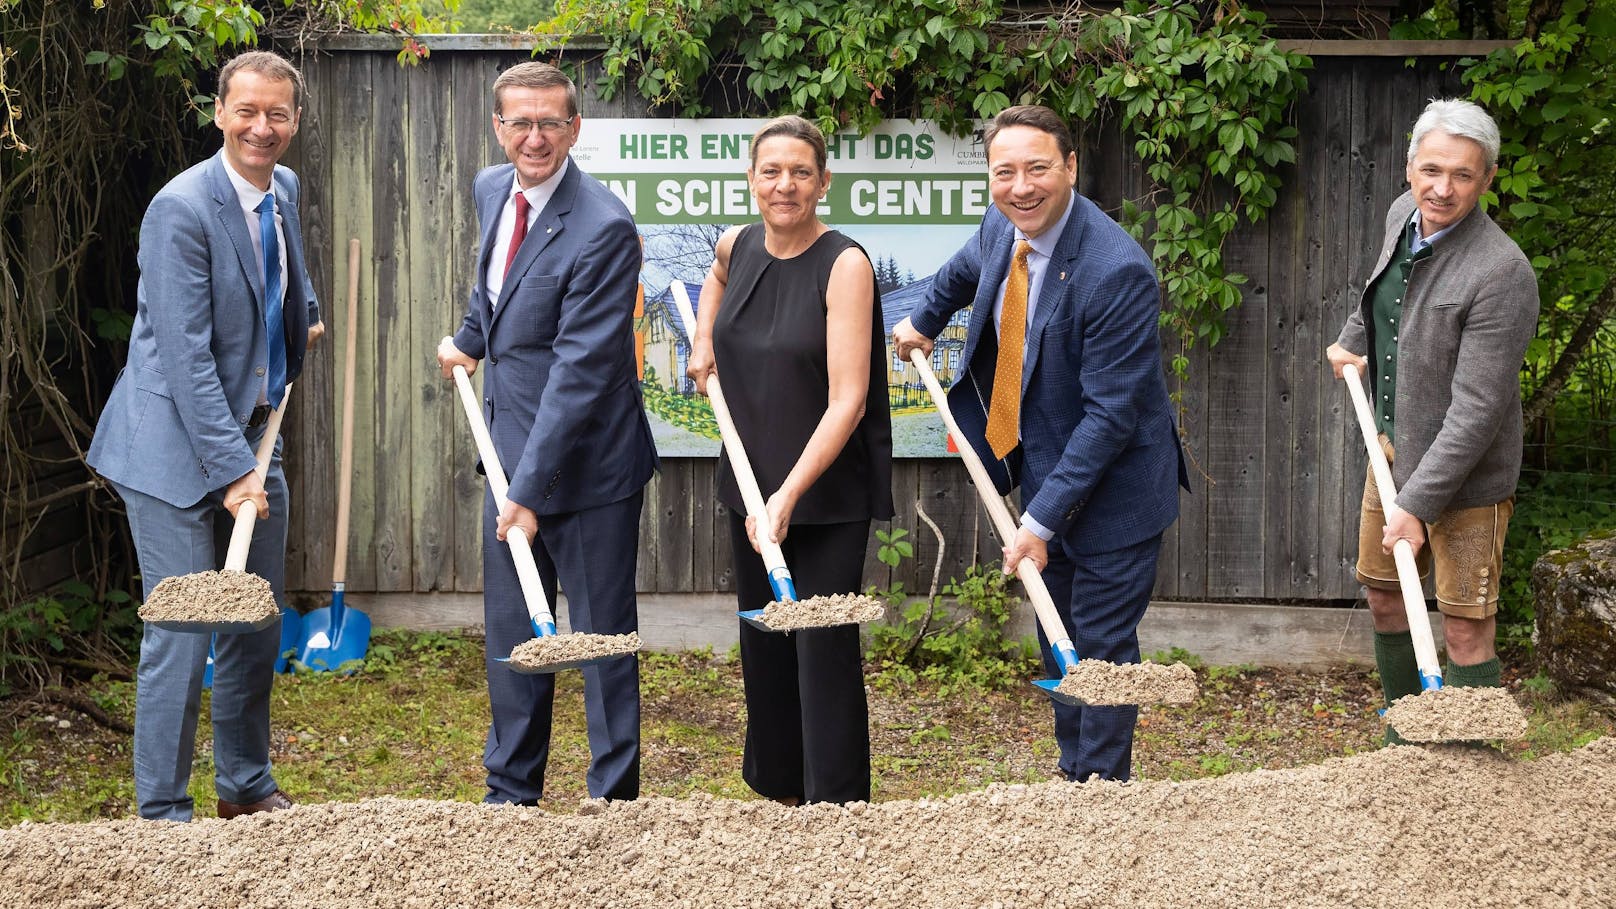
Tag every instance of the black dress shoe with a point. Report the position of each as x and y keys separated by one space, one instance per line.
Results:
x=275 y=801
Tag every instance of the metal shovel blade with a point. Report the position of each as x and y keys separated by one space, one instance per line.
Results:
x=334 y=636
x=754 y=617
x=215 y=627
x=550 y=668
x=1051 y=688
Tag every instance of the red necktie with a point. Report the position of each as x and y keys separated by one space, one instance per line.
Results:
x=520 y=234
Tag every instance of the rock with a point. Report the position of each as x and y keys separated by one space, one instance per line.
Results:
x=1575 y=594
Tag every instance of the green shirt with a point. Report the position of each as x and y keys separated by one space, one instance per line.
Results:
x=1386 y=308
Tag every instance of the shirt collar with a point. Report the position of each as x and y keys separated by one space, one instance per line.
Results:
x=247 y=194
x=1419 y=242
x=1044 y=244
x=538 y=196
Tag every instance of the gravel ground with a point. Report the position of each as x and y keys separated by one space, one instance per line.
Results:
x=1446 y=826
x=1100 y=683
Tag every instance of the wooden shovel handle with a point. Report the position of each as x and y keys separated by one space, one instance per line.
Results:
x=235 y=558
x=339 y=565
x=1043 y=605
x=751 y=495
x=1408 y=572
x=527 y=571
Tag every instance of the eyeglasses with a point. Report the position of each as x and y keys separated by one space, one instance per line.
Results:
x=549 y=125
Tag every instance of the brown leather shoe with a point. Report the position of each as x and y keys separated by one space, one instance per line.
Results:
x=275 y=801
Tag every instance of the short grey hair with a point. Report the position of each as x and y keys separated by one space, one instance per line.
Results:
x=1458 y=118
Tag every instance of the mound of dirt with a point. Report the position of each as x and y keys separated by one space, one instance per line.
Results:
x=1404 y=826
x=211 y=596
x=539 y=654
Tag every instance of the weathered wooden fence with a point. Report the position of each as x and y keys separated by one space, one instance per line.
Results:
x=387 y=154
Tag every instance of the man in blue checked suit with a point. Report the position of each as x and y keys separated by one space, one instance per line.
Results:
x=225 y=312
x=551 y=312
x=1063 y=395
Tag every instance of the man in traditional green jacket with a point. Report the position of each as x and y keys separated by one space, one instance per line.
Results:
x=1440 y=332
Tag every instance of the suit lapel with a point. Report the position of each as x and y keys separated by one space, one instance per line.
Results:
x=234 y=221
x=987 y=292
x=294 y=317
x=546 y=227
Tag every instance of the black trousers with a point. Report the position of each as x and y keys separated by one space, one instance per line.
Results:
x=808 y=724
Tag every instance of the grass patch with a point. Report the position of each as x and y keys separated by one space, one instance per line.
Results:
x=411 y=723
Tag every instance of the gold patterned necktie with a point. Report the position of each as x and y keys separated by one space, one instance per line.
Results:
x=1004 y=413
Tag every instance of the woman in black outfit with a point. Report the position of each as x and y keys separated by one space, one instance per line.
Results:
x=791 y=315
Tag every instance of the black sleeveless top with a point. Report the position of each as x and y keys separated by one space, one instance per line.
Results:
x=769 y=346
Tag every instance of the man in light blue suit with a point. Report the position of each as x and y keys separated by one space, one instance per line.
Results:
x=1064 y=301
x=551 y=310
x=225 y=312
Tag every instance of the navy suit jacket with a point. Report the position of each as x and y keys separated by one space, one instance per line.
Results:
x=1099 y=461
x=175 y=426
x=560 y=388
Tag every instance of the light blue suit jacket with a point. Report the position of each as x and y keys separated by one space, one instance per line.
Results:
x=1099 y=461
x=560 y=390
x=175 y=426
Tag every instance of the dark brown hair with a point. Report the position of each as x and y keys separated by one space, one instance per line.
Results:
x=268 y=64
x=1036 y=116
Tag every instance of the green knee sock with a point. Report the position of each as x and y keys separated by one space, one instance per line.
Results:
x=1399 y=671
x=1489 y=674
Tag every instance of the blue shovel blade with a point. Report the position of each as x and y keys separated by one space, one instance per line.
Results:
x=207 y=671
x=334 y=637
x=1049 y=687
x=291 y=637
x=754 y=617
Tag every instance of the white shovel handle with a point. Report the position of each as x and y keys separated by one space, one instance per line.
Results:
x=1408 y=573
x=751 y=495
x=1004 y=523
x=235 y=558
x=527 y=571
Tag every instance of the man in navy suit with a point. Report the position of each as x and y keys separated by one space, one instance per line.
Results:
x=1065 y=304
x=224 y=312
x=551 y=310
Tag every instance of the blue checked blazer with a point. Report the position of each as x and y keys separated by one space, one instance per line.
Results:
x=1099 y=461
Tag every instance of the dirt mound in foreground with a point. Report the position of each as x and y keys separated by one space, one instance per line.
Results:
x=1408 y=826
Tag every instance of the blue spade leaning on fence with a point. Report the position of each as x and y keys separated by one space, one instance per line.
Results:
x=338 y=635
x=1083 y=681
x=786 y=613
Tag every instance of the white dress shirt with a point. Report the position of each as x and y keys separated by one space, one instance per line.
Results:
x=537 y=198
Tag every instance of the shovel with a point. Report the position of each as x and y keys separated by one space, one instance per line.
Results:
x=815 y=612
x=1165 y=684
x=338 y=634
x=169 y=602
x=556 y=651
x=1497 y=711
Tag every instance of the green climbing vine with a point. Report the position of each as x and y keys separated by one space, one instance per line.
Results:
x=1199 y=90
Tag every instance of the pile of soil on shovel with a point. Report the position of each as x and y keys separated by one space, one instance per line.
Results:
x=538 y=653
x=210 y=596
x=1404 y=826
x=1100 y=683
x=822 y=612
x=1456 y=714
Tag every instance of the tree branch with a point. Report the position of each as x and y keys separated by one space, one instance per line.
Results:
x=1576 y=346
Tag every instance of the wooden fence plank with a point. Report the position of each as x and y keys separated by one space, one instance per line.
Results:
x=430 y=171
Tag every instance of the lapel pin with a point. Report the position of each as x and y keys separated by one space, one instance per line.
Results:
x=1063 y=276
x=549 y=230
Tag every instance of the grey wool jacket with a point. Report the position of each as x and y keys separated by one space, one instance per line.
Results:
x=1470 y=310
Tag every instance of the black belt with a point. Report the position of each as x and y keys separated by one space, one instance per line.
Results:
x=260 y=415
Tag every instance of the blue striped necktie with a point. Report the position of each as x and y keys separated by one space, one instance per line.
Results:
x=274 y=326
